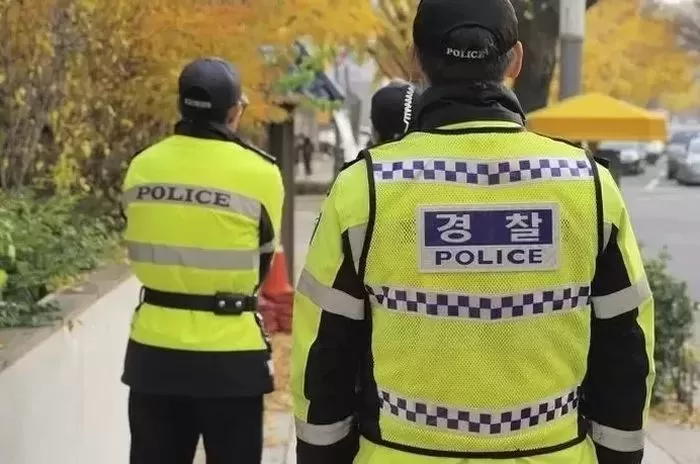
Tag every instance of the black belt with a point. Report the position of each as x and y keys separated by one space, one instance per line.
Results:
x=223 y=304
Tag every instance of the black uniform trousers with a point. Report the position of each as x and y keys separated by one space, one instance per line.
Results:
x=166 y=429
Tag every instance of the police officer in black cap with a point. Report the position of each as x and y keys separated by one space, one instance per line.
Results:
x=203 y=211
x=392 y=111
x=462 y=355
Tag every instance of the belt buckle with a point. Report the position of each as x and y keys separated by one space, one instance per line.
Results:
x=229 y=304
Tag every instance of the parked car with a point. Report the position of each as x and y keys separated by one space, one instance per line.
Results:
x=632 y=159
x=677 y=150
x=688 y=170
x=654 y=151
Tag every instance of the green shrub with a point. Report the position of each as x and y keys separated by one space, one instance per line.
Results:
x=44 y=242
x=676 y=362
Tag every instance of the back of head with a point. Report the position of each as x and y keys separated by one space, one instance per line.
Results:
x=461 y=41
x=393 y=110
x=208 y=89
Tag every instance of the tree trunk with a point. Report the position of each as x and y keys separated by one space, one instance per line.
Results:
x=539 y=33
x=540 y=36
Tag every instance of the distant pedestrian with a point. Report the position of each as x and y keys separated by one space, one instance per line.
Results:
x=307 y=151
x=393 y=109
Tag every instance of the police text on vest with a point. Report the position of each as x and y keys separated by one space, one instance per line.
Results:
x=182 y=194
x=498 y=237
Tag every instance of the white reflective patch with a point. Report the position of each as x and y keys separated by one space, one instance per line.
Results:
x=330 y=299
x=618 y=440
x=323 y=435
x=614 y=304
x=356 y=236
x=500 y=237
x=607 y=231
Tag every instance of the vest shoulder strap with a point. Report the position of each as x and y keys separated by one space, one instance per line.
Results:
x=259 y=151
x=600 y=218
x=360 y=156
x=602 y=161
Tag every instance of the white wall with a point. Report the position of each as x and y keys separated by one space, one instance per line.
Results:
x=63 y=403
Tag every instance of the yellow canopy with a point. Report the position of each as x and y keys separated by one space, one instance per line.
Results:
x=596 y=117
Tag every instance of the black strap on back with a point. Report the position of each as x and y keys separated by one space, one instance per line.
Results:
x=514 y=454
x=222 y=304
x=598 y=198
x=362 y=268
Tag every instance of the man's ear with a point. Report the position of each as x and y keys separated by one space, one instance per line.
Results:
x=415 y=70
x=234 y=116
x=516 y=61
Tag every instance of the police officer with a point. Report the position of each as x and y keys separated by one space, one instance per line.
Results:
x=392 y=111
x=481 y=281
x=203 y=212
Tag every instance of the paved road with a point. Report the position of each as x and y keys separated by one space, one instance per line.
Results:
x=667 y=214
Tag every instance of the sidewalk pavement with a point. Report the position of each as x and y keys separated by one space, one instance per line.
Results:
x=681 y=443
x=321 y=169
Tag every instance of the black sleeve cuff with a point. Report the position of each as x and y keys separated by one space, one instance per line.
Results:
x=342 y=452
x=608 y=456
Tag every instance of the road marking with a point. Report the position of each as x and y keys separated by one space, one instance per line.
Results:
x=653 y=183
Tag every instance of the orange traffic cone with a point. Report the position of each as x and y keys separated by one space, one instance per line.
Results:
x=277 y=295
x=277 y=283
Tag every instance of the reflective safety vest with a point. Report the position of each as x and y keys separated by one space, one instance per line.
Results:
x=194 y=209
x=493 y=241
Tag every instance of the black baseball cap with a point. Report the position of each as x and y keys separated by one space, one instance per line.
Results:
x=393 y=110
x=208 y=89
x=436 y=22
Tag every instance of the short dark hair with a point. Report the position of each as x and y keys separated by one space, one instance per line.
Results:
x=442 y=70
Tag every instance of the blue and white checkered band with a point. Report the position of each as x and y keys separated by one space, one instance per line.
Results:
x=481 y=307
x=473 y=421
x=482 y=172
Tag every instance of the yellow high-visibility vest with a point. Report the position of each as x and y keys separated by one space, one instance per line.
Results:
x=477 y=250
x=194 y=208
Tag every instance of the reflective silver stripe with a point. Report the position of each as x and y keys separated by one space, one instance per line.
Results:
x=618 y=440
x=474 y=421
x=356 y=235
x=487 y=172
x=330 y=299
x=193 y=195
x=322 y=435
x=607 y=230
x=483 y=307
x=268 y=247
x=614 y=304
x=200 y=258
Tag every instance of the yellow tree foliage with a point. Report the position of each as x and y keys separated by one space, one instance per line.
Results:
x=631 y=54
x=84 y=84
x=391 y=48
x=236 y=30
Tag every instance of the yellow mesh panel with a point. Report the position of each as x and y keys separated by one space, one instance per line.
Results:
x=468 y=363
x=206 y=163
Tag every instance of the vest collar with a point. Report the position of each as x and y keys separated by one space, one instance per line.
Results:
x=205 y=130
x=441 y=106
